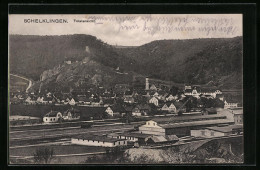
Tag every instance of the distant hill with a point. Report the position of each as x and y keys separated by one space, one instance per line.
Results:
x=215 y=62
x=31 y=55
x=196 y=61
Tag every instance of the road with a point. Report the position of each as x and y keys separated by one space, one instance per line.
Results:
x=24 y=78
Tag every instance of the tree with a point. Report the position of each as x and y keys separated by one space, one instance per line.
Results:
x=127 y=118
x=43 y=155
x=93 y=159
x=174 y=90
x=218 y=103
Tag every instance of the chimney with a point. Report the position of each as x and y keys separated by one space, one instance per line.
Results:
x=146 y=83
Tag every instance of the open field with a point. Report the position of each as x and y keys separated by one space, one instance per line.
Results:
x=58 y=150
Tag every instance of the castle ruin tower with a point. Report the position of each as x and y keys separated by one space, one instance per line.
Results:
x=146 y=83
x=87 y=49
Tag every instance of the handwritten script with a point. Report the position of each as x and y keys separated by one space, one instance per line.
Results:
x=168 y=24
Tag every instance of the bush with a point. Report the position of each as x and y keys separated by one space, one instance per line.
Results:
x=43 y=155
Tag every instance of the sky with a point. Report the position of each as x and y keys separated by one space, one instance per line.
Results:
x=129 y=29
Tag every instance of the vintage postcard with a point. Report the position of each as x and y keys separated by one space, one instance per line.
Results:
x=126 y=89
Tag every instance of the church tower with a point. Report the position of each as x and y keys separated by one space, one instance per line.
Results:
x=146 y=83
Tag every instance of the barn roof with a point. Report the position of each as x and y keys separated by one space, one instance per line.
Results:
x=186 y=118
x=158 y=139
x=195 y=123
x=51 y=114
x=225 y=128
x=171 y=137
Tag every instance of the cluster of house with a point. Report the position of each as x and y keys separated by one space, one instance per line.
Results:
x=137 y=99
x=167 y=130
x=55 y=116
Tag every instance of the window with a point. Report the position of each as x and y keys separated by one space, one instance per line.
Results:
x=154 y=124
x=51 y=119
x=54 y=119
x=103 y=142
x=124 y=142
x=203 y=133
x=97 y=141
x=148 y=123
x=46 y=119
x=93 y=140
x=212 y=133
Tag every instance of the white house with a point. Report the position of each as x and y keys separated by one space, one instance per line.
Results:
x=238 y=115
x=171 y=98
x=71 y=114
x=40 y=100
x=195 y=93
x=151 y=127
x=170 y=107
x=29 y=100
x=129 y=100
x=154 y=100
x=218 y=92
x=98 y=141
x=230 y=104
x=165 y=108
x=109 y=111
x=136 y=112
x=72 y=102
x=156 y=94
x=153 y=87
x=48 y=94
x=52 y=116
x=68 y=62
